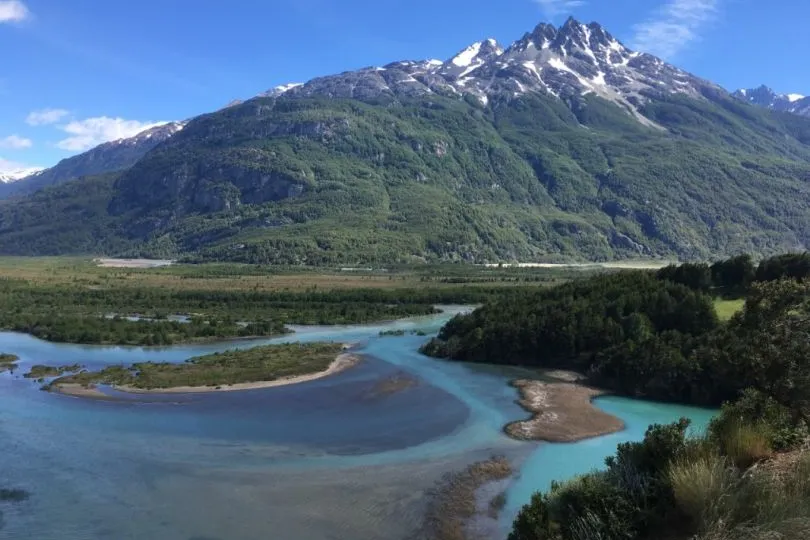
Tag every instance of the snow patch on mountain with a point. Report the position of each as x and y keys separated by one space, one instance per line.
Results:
x=7 y=177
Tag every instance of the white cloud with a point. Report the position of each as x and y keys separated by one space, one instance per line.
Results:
x=12 y=166
x=674 y=26
x=45 y=116
x=90 y=132
x=13 y=11
x=552 y=8
x=15 y=142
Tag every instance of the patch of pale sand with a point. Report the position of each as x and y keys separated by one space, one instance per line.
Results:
x=132 y=263
x=561 y=375
x=78 y=390
x=562 y=412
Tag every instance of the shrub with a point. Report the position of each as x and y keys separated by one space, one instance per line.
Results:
x=745 y=444
x=784 y=430
x=699 y=486
x=594 y=504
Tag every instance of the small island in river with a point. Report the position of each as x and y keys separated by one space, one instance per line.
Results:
x=562 y=412
x=260 y=367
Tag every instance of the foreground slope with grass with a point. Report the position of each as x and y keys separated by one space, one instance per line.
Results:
x=658 y=336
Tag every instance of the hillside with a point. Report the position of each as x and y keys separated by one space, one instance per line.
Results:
x=564 y=145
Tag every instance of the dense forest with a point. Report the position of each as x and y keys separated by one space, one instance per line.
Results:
x=643 y=334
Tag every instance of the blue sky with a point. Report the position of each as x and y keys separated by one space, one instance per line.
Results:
x=77 y=73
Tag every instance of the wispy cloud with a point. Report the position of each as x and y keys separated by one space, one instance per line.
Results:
x=13 y=11
x=90 y=132
x=554 y=8
x=15 y=142
x=45 y=116
x=12 y=166
x=674 y=26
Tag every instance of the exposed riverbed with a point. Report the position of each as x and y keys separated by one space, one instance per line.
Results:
x=330 y=458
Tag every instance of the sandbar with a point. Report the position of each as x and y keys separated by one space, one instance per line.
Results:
x=341 y=363
x=562 y=412
x=78 y=390
x=132 y=263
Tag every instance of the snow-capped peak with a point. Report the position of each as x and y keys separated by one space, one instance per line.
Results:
x=466 y=57
x=13 y=175
x=572 y=60
x=471 y=58
x=794 y=97
x=280 y=90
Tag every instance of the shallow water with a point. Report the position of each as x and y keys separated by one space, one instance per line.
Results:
x=328 y=459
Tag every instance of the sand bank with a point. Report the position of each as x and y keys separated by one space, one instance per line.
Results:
x=132 y=263
x=341 y=363
x=563 y=412
x=78 y=390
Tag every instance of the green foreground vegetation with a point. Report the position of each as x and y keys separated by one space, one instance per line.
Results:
x=727 y=485
x=259 y=364
x=659 y=335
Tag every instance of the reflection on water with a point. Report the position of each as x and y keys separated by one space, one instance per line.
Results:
x=328 y=459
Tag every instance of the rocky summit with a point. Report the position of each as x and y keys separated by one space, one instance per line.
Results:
x=764 y=96
x=573 y=60
x=564 y=145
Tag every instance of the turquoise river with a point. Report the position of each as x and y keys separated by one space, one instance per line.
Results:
x=330 y=459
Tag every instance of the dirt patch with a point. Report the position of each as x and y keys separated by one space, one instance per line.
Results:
x=563 y=412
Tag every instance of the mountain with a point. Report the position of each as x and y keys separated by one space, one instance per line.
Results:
x=766 y=97
x=108 y=157
x=575 y=59
x=564 y=145
x=15 y=175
